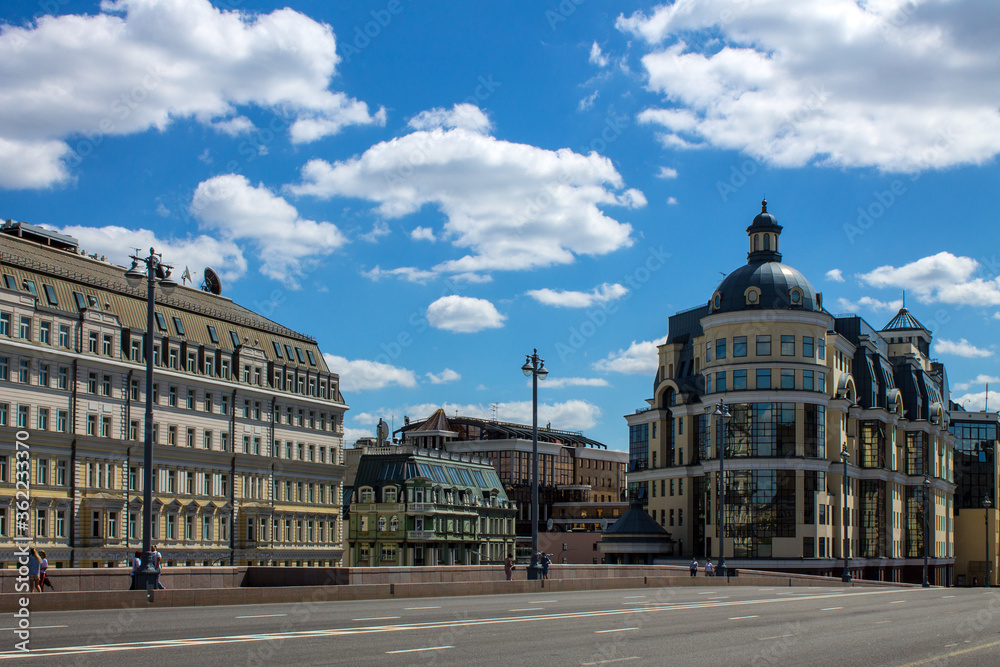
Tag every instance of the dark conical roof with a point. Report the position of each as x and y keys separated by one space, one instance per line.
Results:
x=635 y=522
x=904 y=320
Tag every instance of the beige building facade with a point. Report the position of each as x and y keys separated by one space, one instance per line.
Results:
x=248 y=420
x=804 y=390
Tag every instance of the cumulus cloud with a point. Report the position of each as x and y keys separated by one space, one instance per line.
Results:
x=464 y=314
x=893 y=84
x=573 y=415
x=464 y=116
x=961 y=348
x=422 y=234
x=508 y=206
x=445 y=376
x=285 y=242
x=869 y=303
x=69 y=81
x=666 y=172
x=407 y=273
x=587 y=103
x=980 y=381
x=364 y=375
x=569 y=299
x=118 y=243
x=942 y=278
x=640 y=358
x=672 y=201
x=836 y=275
x=597 y=57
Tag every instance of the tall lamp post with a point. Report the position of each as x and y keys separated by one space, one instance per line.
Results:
x=846 y=575
x=927 y=490
x=156 y=272
x=534 y=367
x=722 y=418
x=986 y=518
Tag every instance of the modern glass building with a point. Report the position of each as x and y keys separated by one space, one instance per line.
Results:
x=805 y=390
x=975 y=496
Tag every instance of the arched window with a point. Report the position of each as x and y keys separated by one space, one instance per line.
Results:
x=767 y=241
x=394 y=524
x=381 y=523
x=756 y=241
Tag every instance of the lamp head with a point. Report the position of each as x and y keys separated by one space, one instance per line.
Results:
x=527 y=368
x=542 y=372
x=986 y=502
x=844 y=454
x=134 y=276
x=167 y=283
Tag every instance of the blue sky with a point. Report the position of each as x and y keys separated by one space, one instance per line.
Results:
x=432 y=190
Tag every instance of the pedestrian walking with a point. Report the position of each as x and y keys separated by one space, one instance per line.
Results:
x=694 y=567
x=136 y=564
x=157 y=560
x=545 y=561
x=43 y=577
x=34 y=567
x=508 y=567
x=709 y=568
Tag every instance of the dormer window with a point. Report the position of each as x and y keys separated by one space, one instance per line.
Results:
x=795 y=296
x=717 y=301
x=752 y=296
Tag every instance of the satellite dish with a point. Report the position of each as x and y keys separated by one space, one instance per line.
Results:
x=383 y=432
x=213 y=283
x=604 y=525
x=549 y=524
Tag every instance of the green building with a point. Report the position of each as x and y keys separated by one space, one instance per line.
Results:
x=416 y=506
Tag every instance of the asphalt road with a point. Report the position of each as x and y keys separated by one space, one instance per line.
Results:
x=675 y=626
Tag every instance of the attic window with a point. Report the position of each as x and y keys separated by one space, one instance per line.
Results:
x=81 y=302
x=10 y=281
x=235 y=337
x=312 y=357
x=277 y=349
x=212 y=334
x=30 y=286
x=298 y=353
x=717 y=301
x=796 y=296
x=50 y=294
x=178 y=326
x=161 y=322
x=288 y=351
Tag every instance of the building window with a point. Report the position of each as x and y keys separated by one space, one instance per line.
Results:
x=92 y=342
x=62 y=421
x=787 y=378
x=763 y=346
x=105 y=427
x=43 y=419
x=212 y=335
x=5 y=324
x=807 y=381
x=22 y=416
x=61 y=469
x=45 y=332
x=807 y=346
x=106 y=345
x=172 y=397
x=25 y=332
x=821 y=348
x=720 y=381
x=235 y=337
x=4 y=368
x=63 y=335
x=763 y=378
x=4 y=407
x=23 y=371
x=178 y=327
x=788 y=346
x=720 y=348
x=207 y=440
x=171 y=435
x=190 y=437
x=739 y=380
x=106 y=385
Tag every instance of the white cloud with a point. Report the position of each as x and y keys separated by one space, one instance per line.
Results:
x=569 y=299
x=69 y=81
x=941 y=278
x=836 y=275
x=364 y=375
x=463 y=116
x=974 y=401
x=596 y=57
x=587 y=103
x=422 y=234
x=979 y=381
x=509 y=206
x=573 y=415
x=118 y=243
x=672 y=201
x=868 y=303
x=445 y=376
x=962 y=348
x=464 y=314
x=407 y=273
x=639 y=359
x=996 y=316
x=560 y=383
x=352 y=435
x=285 y=242
x=666 y=172
x=894 y=84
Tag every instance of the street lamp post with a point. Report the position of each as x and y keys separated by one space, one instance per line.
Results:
x=846 y=575
x=145 y=578
x=986 y=519
x=927 y=490
x=722 y=418
x=534 y=367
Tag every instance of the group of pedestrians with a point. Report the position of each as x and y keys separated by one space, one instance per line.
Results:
x=543 y=561
x=155 y=560
x=709 y=568
x=38 y=565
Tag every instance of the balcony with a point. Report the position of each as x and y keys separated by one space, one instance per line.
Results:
x=422 y=535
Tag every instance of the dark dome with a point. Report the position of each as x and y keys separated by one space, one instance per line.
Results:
x=775 y=281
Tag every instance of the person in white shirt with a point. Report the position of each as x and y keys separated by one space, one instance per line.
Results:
x=709 y=568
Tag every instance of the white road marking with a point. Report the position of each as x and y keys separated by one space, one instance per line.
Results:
x=722 y=597
x=418 y=650
x=740 y=618
x=412 y=608
x=261 y=616
x=528 y=609
x=947 y=596
x=605 y=662
x=377 y=618
x=831 y=609
x=36 y=627
x=774 y=637
x=897 y=602
x=633 y=597
x=601 y=632
x=542 y=601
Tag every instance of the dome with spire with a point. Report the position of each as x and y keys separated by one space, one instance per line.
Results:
x=764 y=282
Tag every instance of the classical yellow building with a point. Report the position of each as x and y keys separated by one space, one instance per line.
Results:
x=248 y=420
x=801 y=386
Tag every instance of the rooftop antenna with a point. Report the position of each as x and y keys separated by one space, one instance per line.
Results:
x=493 y=410
x=986 y=408
x=904 y=298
